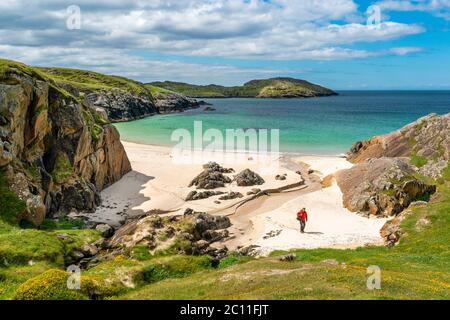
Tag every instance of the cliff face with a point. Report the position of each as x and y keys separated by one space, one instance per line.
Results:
x=56 y=152
x=122 y=106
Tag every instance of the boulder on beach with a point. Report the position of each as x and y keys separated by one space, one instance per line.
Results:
x=248 y=178
x=231 y=195
x=195 y=195
x=212 y=177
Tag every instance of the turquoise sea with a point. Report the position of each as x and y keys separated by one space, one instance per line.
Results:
x=328 y=125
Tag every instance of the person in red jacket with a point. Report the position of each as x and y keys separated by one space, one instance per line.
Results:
x=302 y=216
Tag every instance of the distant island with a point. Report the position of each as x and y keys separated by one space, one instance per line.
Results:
x=268 y=88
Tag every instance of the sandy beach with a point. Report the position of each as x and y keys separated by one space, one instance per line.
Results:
x=159 y=183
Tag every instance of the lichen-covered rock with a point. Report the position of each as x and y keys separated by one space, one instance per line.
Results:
x=425 y=142
x=190 y=234
x=55 y=152
x=382 y=187
x=248 y=178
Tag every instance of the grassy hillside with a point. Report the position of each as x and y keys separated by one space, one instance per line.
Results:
x=83 y=80
x=270 y=88
x=91 y=81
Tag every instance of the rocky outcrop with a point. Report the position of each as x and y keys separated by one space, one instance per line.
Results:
x=174 y=102
x=121 y=105
x=125 y=106
x=426 y=142
x=193 y=233
x=56 y=152
x=389 y=169
x=382 y=187
x=248 y=178
x=119 y=98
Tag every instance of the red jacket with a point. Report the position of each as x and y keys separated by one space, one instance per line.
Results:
x=302 y=215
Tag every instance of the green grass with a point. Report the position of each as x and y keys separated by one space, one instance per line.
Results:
x=156 y=91
x=63 y=223
x=9 y=67
x=418 y=161
x=11 y=206
x=63 y=169
x=270 y=88
x=93 y=81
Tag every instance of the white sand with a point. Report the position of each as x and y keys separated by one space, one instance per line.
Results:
x=329 y=224
x=160 y=182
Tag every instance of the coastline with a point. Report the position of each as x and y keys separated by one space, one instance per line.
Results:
x=155 y=186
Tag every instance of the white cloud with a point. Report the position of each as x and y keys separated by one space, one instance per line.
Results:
x=113 y=31
x=439 y=8
x=403 y=51
x=120 y=62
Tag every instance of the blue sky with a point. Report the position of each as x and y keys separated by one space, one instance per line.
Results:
x=232 y=41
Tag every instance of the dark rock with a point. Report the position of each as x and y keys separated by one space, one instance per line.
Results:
x=215 y=167
x=194 y=195
x=122 y=105
x=231 y=195
x=281 y=177
x=248 y=178
x=210 y=180
x=174 y=102
x=214 y=235
x=89 y=250
x=218 y=252
x=101 y=244
x=288 y=258
x=106 y=230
